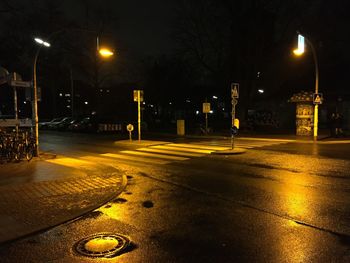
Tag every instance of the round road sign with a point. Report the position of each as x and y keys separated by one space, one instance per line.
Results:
x=130 y=127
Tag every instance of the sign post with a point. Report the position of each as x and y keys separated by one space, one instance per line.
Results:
x=16 y=81
x=138 y=96
x=206 y=110
x=234 y=121
x=130 y=128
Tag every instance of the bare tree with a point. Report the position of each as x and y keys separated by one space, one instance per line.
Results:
x=236 y=40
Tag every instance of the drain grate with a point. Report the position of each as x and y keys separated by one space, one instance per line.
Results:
x=102 y=245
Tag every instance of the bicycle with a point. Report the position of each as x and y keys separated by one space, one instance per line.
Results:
x=16 y=146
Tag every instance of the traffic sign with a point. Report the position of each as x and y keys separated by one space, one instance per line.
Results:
x=136 y=95
x=20 y=83
x=206 y=107
x=130 y=127
x=317 y=98
x=234 y=90
x=236 y=123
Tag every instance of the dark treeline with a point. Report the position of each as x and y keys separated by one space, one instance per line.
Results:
x=215 y=43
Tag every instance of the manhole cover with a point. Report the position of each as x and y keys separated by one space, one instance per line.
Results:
x=102 y=245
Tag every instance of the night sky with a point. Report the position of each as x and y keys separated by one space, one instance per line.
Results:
x=145 y=30
x=182 y=50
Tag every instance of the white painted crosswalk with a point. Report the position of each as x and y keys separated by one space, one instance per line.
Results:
x=246 y=143
x=162 y=154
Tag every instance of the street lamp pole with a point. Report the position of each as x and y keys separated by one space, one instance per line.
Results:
x=316 y=87
x=299 y=52
x=35 y=117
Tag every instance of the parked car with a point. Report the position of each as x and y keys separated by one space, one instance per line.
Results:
x=53 y=125
x=63 y=124
x=85 y=125
x=45 y=125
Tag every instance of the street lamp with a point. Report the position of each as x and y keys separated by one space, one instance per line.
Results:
x=104 y=52
x=35 y=91
x=300 y=51
x=42 y=42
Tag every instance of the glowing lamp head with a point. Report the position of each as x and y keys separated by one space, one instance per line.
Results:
x=301 y=46
x=104 y=52
x=298 y=52
x=42 y=42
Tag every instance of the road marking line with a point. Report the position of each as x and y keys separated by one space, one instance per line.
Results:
x=133 y=158
x=154 y=155
x=69 y=162
x=184 y=149
x=251 y=145
x=171 y=152
x=198 y=146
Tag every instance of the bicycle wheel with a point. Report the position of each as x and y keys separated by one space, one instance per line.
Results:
x=18 y=152
x=10 y=152
x=30 y=151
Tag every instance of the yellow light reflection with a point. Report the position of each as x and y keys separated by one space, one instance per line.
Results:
x=100 y=245
x=296 y=203
x=69 y=162
x=114 y=212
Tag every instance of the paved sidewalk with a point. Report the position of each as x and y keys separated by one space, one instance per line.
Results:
x=40 y=194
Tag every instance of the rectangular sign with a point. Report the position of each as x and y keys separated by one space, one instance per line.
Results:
x=206 y=107
x=234 y=90
x=20 y=83
x=14 y=122
x=136 y=95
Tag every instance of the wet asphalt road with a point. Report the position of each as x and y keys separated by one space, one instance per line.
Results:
x=286 y=202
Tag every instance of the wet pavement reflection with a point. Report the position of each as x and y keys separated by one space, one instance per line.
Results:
x=263 y=206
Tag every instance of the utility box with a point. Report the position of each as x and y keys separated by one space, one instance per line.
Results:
x=304 y=113
x=181 y=127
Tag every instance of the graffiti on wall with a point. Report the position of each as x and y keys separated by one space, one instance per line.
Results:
x=304 y=119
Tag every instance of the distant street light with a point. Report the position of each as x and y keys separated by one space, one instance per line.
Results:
x=42 y=42
x=300 y=51
x=261 y=91
x=35 y=91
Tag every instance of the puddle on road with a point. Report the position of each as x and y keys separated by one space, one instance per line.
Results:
x=147 y=204
x=119 y=201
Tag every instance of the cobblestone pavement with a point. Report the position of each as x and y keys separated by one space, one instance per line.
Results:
x=38 y=195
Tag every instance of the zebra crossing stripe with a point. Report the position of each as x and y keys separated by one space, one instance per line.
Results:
x=155 y=155
x=249 y=145
x=184 y=149
x=158 y=154
x=198 y=146
x=171 y=152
